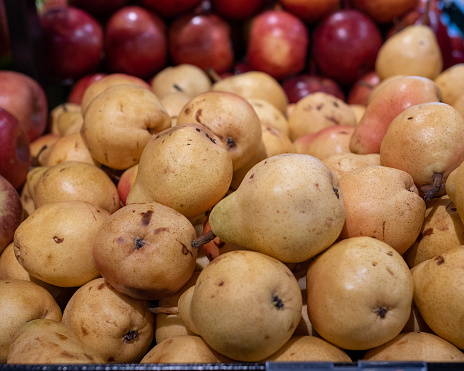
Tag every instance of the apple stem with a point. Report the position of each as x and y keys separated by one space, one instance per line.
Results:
x=164 y=310
x=200 y=241
x=213 y=75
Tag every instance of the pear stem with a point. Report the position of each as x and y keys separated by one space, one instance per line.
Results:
x=435 y=189
x=164 y=310
x=213 y=75
x=426 y=18
x=200 y=241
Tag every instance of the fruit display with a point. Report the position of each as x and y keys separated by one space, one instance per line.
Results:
x=230 y=183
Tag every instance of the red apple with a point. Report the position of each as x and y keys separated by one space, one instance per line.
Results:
x=170 y=8
x=299 y=86
x=457 y=48
x=15 y=156
x=98 y=8
x=73 y=42
x=11 y=212
x=237 y=10
x=384 y=11
x=135 y=42
x=361 y=89
x=277 y=43
x=345 y=45
x=25 y=99
x=78 y=89
x=5 y=52
x=203 y=40
x=311 y=11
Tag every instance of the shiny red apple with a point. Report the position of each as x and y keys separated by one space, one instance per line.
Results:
x=15 y=157
x=361 y=89
x=299 y=86
x=345 y=45
x=135 y=42
x=73 y=42
x=457 y=48
x=99 y=8
x=25 y=99
x=11 y=212
x=384 y=11
x=203 y=40
x=170 y=8
x=277 y=43
x=311 y=11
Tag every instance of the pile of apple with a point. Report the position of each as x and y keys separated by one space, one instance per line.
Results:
x=235 y=181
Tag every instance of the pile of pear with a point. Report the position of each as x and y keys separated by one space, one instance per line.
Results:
x=192 y=220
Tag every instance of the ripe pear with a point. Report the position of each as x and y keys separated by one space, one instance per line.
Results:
x=288 y=206
x=415 y=346
x=230 y=117
x=269 y=115
x=47 y=341
x=183 y=349
x=117 y=327
x=451 y=81
x=309 y=349
x=425 y=140
x=441 y=230
x=439 y=294
x=73 y=181
x=412 y=51
x=120 y=121
x=173 y=104
x=317 y=111
x=54 y=244
x=21 y=302
x=383 y=203
x=186 y=78
x=455 y=189
x=359 y=293
x=255 y=84
x=245 y=305
x=186 y=168
x=341 y=164
x=144 y=250
x=67 y=120
x=388 y=102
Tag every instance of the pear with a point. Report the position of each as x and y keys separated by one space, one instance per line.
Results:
x=47 y=341
x=383 y=203
x=269 y=115
x=73 y=181
x=416 y=346
x=425 y=140
x=183 y=349
x=451 y=81
x=455 y=189
x=317 y=111
x=245 y=305
x=66 y=118
x=54 y=244
x=309 y=349
x=173 y=104
x=359 y=293
x=21 y=302
x=186 y=78
x=288 y=206
x=412 y=51
x=441 y=230
x=343 y=163
x=388 y=102
x=230 y=117
x=255 y=84
x=144 y=251
x=185 y=168
x=439 y=294
x=120 y=121
x=117 y=327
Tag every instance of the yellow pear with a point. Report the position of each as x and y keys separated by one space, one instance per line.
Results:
x=47 y=341
x=288 y=206
x=455 y=189
x=383 y=203
x=245 y=305
x=442 y=229
x=230 y=117
x=186 y=168
x=439 y=294
x=412 y=51
x=416 y=346
x=343 y=163
x=269 y=115
x=360 y=293
x=70 y=147
x=451 y=81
